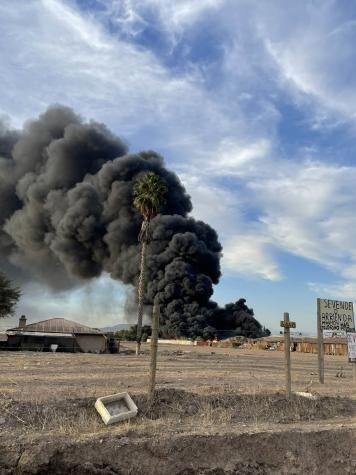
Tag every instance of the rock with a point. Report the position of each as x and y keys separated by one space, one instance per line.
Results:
x=191 y=410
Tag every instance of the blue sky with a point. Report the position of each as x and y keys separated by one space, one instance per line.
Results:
x=252 y=103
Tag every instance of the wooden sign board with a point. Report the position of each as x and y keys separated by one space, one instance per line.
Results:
x=288 y=324
x=336 y=315
x=334 y=334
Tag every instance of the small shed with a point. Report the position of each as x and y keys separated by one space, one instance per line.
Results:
x=69 y=336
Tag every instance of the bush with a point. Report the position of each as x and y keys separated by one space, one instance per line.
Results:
x=130 y=335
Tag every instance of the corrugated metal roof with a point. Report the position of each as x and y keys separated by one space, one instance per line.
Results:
x=58 y=325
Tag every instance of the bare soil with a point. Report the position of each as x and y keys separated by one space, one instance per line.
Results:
x=217 y=411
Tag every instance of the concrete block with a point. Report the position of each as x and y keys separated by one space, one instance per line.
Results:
x=307 y=395
x=116 y=408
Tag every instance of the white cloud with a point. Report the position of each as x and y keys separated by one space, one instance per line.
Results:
x=212 y=202
x=246 y=254
x=303 y=208
x=306 y=208
x=62 y=56
x=340 y=290
x=172 y=15
x=314 y=52
x=249 y=255
x=224 y=141
x=67 y=57
x=233 y=158
x=185 y=11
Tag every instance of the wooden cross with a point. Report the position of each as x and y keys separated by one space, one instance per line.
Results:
x=287 y=325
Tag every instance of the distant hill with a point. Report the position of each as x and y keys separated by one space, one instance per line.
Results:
x=117 y=328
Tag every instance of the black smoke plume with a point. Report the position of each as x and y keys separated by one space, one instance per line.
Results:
x=66 y=213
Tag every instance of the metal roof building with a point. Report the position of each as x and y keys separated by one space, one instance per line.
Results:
x=69 y=336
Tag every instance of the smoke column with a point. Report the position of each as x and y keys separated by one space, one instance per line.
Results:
x=66 y=213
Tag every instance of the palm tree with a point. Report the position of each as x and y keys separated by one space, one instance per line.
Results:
x=148 y=192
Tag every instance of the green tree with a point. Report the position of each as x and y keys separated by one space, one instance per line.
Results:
x=149 y=192
x=131 y=333
x=9 y=296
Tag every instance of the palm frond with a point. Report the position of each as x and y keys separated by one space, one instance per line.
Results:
x=149 y=192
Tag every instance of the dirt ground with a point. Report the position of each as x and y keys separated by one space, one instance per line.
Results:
x=217 y=411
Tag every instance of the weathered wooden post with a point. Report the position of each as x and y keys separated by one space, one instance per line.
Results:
x=154 y=347
x=320 y=345
x=287 y=325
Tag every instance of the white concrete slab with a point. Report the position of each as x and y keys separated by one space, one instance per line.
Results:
x=116 y=408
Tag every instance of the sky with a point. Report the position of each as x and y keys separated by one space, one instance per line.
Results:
x=252 y=104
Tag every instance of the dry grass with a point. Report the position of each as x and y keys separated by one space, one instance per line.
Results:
x=229 y=407
x=70 y=417
x=43 y=393
x=46 y=376
x=172 y=408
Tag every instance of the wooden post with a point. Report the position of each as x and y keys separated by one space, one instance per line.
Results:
x=354 y=370
x=286 y=325
x=154 y=346
x=320 y=346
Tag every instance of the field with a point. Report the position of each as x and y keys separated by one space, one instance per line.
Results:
x=218 y=411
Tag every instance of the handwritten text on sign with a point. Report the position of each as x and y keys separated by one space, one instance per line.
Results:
x=336 y=315
x=351 y=345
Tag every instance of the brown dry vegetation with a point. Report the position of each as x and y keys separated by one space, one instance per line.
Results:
x=206 y=397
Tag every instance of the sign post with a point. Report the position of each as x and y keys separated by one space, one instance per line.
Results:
x=320 y=346
x=287 y=325
x=335 y=315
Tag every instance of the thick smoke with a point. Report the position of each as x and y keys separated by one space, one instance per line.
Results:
x=66 y=196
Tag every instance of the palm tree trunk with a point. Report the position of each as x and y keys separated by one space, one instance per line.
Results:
x=140 y=292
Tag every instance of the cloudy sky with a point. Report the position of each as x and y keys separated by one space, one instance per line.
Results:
x=252 y=103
